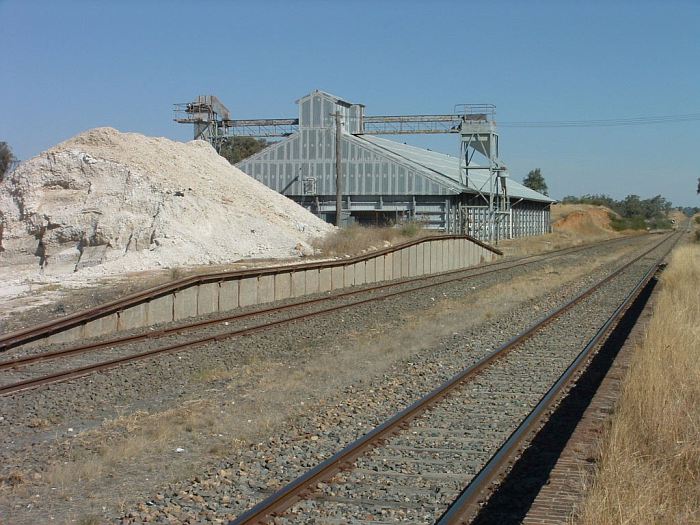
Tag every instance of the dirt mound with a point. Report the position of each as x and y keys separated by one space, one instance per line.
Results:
x=585 y=220
x=106 y=202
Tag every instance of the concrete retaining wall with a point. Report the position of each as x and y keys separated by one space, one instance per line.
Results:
x=225 y=292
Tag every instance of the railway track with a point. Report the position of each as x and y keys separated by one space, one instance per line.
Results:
x=338 y=301
x=18 y=338
x=432 y=461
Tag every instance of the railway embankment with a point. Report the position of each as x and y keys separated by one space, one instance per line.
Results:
x=648 y=466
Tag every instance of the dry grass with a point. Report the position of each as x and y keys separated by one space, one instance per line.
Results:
x=281 y=389
x=649 y=469
x=212 y=375
x=121 y=440
x=246 y=400
x=572 y=225
x=356 y=239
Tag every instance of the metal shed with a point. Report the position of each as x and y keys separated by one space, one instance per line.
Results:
x=384 y=181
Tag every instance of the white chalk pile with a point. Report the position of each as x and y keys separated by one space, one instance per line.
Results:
x=106 y=202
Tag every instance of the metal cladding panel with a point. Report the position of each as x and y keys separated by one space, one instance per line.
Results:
x=328 y=108
x=316 y=111
x=366 y=171
x=305 y=112
x=446 y=167
x=353 y=120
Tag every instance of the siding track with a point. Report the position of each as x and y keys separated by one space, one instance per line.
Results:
x=218 y=329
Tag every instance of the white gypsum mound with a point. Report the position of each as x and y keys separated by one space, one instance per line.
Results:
x=107 y=202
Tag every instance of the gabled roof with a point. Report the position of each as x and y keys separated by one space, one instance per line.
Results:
x=448 y=166
x=451 y=187
x=334 y=98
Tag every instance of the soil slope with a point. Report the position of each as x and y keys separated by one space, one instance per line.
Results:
x=585 y=220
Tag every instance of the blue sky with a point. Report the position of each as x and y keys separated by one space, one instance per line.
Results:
x=67 y=66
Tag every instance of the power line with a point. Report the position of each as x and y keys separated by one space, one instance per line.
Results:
x=631 y=121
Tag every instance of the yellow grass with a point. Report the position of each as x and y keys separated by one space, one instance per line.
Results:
x=357 y=239
x=649 y=469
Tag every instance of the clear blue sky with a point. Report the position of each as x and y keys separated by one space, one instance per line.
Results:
x=67 y=66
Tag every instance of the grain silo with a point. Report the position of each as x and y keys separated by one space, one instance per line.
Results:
x=384 y=181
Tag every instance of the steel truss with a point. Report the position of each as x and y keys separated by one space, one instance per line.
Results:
x=474 y=122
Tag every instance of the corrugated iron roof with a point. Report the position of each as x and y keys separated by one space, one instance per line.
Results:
x=448 y=166
x=331 y=96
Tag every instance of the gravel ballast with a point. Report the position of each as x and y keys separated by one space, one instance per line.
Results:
x=37 y=422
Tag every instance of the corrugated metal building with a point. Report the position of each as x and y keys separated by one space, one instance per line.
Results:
x=383 y=181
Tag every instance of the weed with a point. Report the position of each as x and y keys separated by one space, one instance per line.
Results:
x=211 y=375
x=650 y=459
x=14 y=479
x=627 y=223
x=90 y=520
x=357 y=239
x=39 y=423
x=411 y=229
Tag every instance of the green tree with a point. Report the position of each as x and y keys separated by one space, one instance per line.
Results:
x=6 y=158
x=535 y=181
x=236 y=149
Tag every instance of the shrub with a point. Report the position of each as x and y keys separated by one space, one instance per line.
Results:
x=356 y=239
x=627 y=223
x=660 y=224
x=410 y=229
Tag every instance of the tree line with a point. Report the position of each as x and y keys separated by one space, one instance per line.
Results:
x=633 y=212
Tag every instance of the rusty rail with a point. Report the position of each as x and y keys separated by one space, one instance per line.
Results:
x=48 y=328
x=119 y=341
x=302 y=486
x=75 y=373
x=466 y=506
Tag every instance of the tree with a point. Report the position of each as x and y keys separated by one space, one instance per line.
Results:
x=238 y=148
x=6 y=158
x=535 y=181
x=632 y=206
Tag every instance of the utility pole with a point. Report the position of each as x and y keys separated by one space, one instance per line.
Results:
x=338 y=180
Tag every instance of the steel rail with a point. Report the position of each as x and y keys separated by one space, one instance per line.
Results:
x=75 y=373
x=466 y=505
x=47 y=328
x=303 y=485
x=120 y=341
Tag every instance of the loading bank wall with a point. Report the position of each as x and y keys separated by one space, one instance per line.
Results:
x=453 y=214
x=229 y=291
